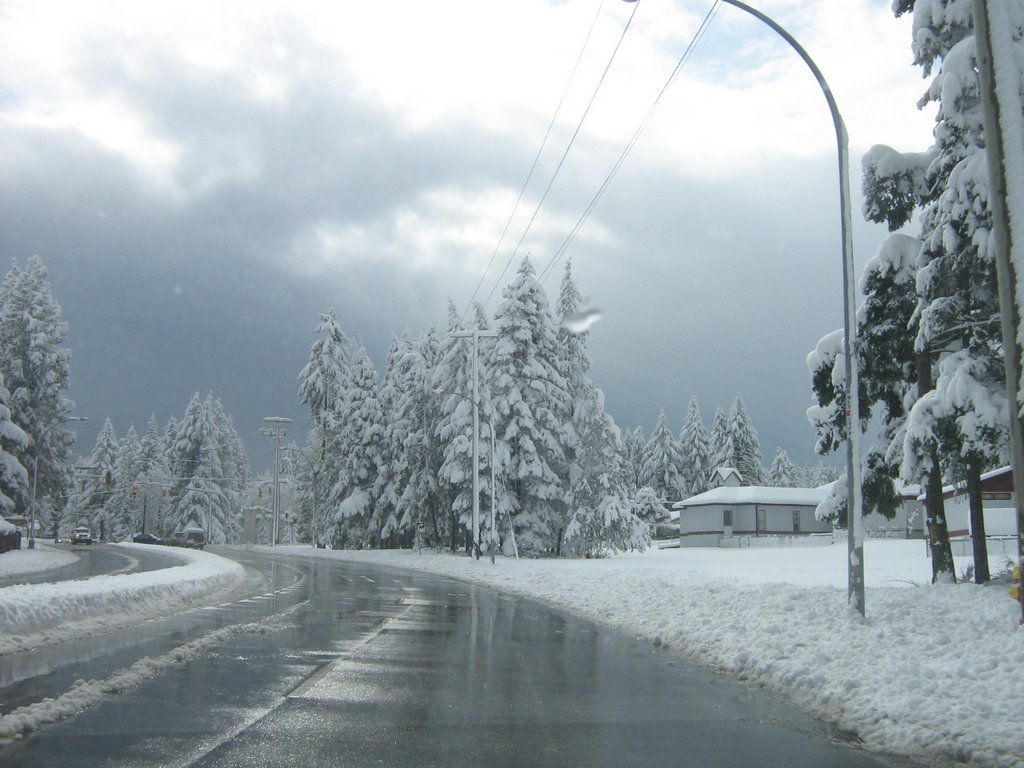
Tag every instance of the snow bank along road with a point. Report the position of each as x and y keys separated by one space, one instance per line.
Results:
x=33 y=615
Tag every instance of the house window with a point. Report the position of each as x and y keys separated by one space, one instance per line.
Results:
x=762 y=520
x=796 y=521
x=727 y=518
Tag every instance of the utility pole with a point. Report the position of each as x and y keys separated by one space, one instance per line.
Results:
x=276 y=431
x=476 y=334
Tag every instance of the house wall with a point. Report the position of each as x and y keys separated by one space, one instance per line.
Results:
x=703 y=526
x=1000 y=516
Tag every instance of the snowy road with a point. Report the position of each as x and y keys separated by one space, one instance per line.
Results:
x=336 y=663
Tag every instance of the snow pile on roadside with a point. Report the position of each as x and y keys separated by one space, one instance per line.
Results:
x=32 y=615
x=933 y=671
x=19 y=562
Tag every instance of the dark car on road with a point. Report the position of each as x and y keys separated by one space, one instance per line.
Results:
x=147 y=538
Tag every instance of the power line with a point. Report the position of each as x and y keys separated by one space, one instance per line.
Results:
x=536 y=159
x=712 y=12
x=561 y=162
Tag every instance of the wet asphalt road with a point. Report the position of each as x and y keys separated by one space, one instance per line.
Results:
x=370 y=667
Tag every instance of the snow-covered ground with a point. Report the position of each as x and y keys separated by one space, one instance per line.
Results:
x=19 y=562
x=933 y=671
x=32 y=615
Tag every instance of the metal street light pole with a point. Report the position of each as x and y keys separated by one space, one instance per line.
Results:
x=854 y=510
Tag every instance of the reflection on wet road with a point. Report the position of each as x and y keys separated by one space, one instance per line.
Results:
x=377 y=667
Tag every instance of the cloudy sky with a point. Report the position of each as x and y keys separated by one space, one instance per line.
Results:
x=204 y=178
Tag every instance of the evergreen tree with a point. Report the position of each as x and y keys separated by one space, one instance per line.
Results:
x=36 y=369
x=393 y=471
x=121 y=506
x=694 y=451
x=533 y=406
x=783 y=473
x=453 y=381
x=321 y=380
x=13 y=476
x=965 y=416
x=722 y=451
x=356 y=425
x=745 y=444
x=422 y=500
x=634 y=443
x=601 y=519
x=662 y=463
x=200 y=493
x=649 y=508
x=89 y=504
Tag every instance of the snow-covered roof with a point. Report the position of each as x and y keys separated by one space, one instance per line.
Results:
x=756 y=494
x=955 y=489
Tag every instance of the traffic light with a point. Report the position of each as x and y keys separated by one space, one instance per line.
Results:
x=1015 y=588
x=135 y=489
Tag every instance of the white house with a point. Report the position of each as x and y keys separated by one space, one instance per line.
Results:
x=731 y=514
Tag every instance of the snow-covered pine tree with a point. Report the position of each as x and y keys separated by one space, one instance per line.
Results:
x=13 y=476
x=649 y=508
x=634 y=444
x=121 y=507
x=88 y=504
x=783 y=472
x=746 y=444
x=453 y=383
x=601 y=519
x=422 y=500
x=662 y=463
x=37 y=370
x=321 y=380
x=694 y=451
x=532 y=408
x=393 y=470
x=199 y=494
x=965 y=415
x=356 y=422
x=722 y=451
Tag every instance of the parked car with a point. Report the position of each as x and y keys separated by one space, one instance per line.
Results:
x=147 y=538
x=81 y=535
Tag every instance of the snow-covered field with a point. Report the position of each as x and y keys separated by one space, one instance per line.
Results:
x=933 y=671
x=32 y=615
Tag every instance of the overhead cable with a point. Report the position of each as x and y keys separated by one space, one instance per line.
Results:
x=712 y=12
x=536 y=159
x=565 y=154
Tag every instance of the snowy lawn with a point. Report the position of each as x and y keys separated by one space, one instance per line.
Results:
x=32 y=615
x=933 y=671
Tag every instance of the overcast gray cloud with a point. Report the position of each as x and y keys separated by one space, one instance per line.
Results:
x=202 y=185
